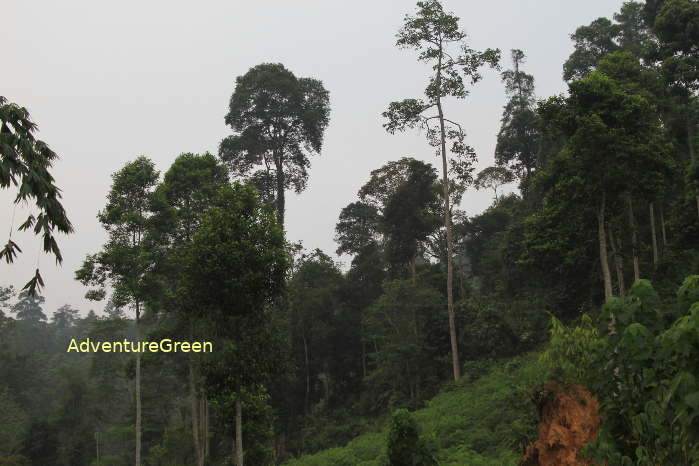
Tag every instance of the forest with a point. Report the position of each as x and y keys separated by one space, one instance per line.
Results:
x=449 y=339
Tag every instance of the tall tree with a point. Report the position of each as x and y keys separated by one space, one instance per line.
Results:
x=615 y=141
x=188 y=190
x=676 y=26
x=278 y=121
x=434 y=33
x=25 y=163
x=518 y=139
x=123 y=261
x=234 y=268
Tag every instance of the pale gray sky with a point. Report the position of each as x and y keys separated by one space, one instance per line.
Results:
x=109 y=81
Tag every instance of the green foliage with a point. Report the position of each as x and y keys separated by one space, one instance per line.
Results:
x=573 y=351
x=405 y=447
x=14 y=424
x=642 y=367
x=25 y=163
x=278 y=122
x=518 y=137
x=398 y=325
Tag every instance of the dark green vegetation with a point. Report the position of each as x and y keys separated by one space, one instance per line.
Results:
x=383 y=357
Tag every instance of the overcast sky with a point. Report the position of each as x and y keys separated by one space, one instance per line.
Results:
x=109 y=81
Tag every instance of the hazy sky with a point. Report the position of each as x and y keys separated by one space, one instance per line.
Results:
x=109 y=81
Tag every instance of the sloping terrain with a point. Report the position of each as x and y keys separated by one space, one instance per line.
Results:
x=488 y=421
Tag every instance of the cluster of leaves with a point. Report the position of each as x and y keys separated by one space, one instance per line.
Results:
x=25 y=163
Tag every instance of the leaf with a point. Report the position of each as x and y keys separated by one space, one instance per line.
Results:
x=9 y=252
x=34 y=284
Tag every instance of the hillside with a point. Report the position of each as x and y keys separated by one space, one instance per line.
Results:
x=486 y=421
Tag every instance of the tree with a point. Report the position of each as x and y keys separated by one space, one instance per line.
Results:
x=399 y=208
x=398 y=326
x=410 y=215
x=28 y=307
x=278 y=122
x=25 y=163
x=357 y=228
x=234 y=268
x=405 y=447
x=433 y=32
x=615 y=141
x=6 y=294
x=674 y=23
x=123 y=262
x=314 y=309
x=602 y=37
x=65 y=316
x=518 y=139
x=493 y=178
x=188 y=190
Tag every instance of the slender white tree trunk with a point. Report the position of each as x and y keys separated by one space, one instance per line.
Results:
x=138 y=385
x=653 y=236
x=456 y=366
x=606 y=275
x=618 y=262
x=662 y=225
x=634 y=243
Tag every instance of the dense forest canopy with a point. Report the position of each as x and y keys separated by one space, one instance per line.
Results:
x=441 y=339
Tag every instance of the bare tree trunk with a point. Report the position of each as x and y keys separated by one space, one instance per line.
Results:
x=206 y=428
x=138 y=385
x=662 y=225
x=606 y=275
x=308 y=375
x=618 y=262
x=634 y=242
x=196 y=406
x=238 y=433
x=456 y=366
x=653 y=236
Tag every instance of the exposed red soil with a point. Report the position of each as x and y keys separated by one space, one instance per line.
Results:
x=570 y=419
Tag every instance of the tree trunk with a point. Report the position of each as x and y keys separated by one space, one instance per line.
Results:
x=456 y=367
x=238 y=433
x=653 y=236
x=618 y=262
x=138 y=385
x=196 y=406
x=279 y=163
x=206 y=428
x=662 y=225
x=634 y=242
x=606 y=275
x=308 y=376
